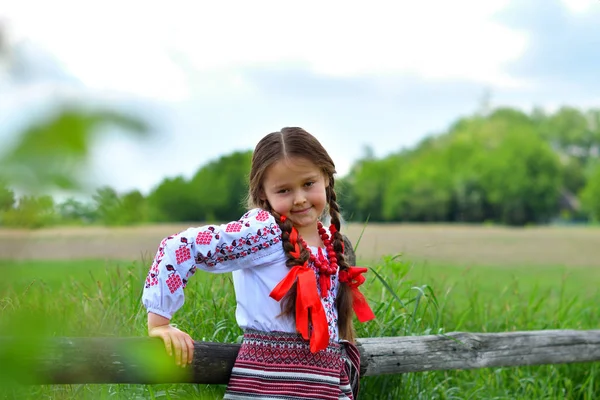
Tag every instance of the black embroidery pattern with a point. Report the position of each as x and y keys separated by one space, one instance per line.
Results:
x=251 y=243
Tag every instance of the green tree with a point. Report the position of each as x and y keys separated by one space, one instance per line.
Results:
x=133 y=208
x=31 y=212
x=173 y=200
x=590 y=196
x=419 y=191
x=573 y=174
x=469 y=201
x=221 y=187
x=7 y=197
x=108 y=206
x=520 y=174
x=74 y=211
x=484 y=168
x=571 y=131
x=367 y=184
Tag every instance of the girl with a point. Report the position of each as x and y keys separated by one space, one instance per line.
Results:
x=295 y=292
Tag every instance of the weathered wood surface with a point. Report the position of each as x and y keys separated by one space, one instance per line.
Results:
x=143 y=360
x=115 y=360
x=459 y=350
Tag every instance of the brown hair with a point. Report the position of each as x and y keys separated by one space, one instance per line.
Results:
x=296 y=142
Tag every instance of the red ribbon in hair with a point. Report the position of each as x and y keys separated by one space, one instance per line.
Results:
x=353 y=278
x=309 y=308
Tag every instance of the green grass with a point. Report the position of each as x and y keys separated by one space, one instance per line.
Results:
x=97 y=298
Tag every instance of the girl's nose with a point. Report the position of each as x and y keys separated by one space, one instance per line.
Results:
x=299 y=199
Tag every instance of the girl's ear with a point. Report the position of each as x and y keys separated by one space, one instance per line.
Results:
x=262 y=195
x=326 y=179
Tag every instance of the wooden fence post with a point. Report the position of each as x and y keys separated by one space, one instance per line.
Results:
x=144 y=360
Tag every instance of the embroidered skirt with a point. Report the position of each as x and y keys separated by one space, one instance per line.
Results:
x=280 y=366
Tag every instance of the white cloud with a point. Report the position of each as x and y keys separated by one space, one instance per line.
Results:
x=110 y=46
x=433 y=39
x=581 y=6
x=142 y=47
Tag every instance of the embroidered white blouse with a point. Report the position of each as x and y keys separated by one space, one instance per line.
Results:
x=251 y=249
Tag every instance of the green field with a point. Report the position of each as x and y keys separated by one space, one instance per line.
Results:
x=102 y=298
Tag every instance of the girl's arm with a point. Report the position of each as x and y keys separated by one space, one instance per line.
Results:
x=252 y=241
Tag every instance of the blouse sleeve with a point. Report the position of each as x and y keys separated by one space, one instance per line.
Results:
x=252 y=241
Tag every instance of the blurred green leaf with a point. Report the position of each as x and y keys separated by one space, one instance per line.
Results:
x=52 y=153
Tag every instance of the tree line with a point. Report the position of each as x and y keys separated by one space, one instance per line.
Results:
x=504 y=166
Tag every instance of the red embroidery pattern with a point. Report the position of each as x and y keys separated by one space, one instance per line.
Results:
x=285 y=351
x=204 y=238
x=326 y=374
x=262 y=216
x=182 y=254
x=234 y=227
x=174 y=282
x=152 y=278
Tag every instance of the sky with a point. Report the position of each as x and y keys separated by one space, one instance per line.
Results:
x=214 y=77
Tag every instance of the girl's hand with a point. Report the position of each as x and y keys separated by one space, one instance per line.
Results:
x=176 y=342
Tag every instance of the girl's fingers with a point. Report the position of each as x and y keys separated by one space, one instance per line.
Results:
x=184 y=352
x=164 y=335
x=177 y=347
x=167 y=341
x=178 y=344
x=190 y=344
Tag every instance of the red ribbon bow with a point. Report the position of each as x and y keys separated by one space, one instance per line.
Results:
x=308 y=305
x=353 y=278
x=309 y=308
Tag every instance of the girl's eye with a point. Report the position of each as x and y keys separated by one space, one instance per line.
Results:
x=308 y=184
x=281 y=191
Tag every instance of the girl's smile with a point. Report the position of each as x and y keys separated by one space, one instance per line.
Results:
x=301 y=211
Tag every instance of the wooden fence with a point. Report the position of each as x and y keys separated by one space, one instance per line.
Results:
x=144 y=360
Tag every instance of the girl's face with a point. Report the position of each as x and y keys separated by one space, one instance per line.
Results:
x=295 y=187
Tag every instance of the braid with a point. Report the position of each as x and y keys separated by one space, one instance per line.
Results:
x=288 y=303
x=338 y=239
x=344 y=297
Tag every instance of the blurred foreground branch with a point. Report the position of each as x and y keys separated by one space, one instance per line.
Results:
x=53 y=153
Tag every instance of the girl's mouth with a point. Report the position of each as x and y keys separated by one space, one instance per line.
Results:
x=301 y=211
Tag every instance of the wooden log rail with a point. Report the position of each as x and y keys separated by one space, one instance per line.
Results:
x=144 y=360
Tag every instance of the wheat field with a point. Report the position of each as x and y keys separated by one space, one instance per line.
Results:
x=451 y=244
